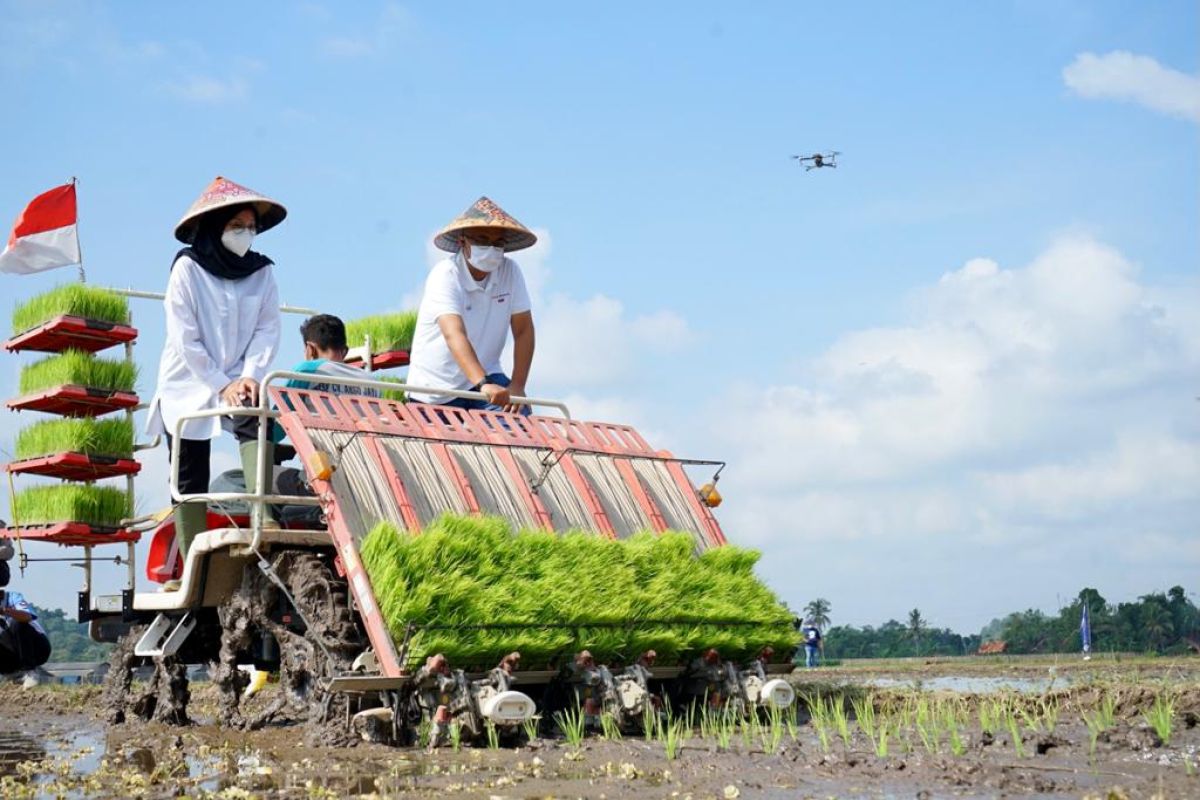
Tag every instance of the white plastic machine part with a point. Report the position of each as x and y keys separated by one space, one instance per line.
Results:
x=509 y=708
x=165 y=636
x=777 y=693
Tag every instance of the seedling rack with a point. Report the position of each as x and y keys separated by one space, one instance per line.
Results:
x=55 y=336
x=68 y=331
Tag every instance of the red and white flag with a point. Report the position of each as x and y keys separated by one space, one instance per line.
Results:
x=45 y=235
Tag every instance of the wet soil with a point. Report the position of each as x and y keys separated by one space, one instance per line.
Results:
x=56 y=742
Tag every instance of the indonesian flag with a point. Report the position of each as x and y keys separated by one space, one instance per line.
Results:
x=45 y=235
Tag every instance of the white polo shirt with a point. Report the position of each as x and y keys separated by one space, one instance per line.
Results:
x=486 y=308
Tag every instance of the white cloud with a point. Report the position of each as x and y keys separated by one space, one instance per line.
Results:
x=209 y=90
x=394 y=23
x=1121 y=75
x=1023 y=418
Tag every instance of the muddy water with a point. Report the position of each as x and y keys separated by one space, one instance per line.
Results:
x=55 y=744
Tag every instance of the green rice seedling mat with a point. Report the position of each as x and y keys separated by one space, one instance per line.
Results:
x=75 y=300
x=472 y=589
x=78 y=368
x=94 y=437
x=99 y=506
x=387 y=331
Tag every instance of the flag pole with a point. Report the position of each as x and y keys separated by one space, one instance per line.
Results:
x=78 y=245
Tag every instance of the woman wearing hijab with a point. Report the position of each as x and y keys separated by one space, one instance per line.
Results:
x=222 y=309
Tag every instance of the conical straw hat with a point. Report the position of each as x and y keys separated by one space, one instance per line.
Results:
x=222 y=193
x=485 y=215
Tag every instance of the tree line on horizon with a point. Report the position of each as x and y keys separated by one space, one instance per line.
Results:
x=1167 y=623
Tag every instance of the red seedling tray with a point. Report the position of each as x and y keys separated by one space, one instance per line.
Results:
x=75 y=401
x=71 y=533
x=78 y=333
x=76 y=466
x=387 y=360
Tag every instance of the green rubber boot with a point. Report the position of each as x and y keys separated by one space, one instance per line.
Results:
x=190 y=519
x=249 y=453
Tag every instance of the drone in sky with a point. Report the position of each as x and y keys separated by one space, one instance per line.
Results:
x=819 y=160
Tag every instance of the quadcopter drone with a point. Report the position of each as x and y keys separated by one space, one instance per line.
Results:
x=819 y=160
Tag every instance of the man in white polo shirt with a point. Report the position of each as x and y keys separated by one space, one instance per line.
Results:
x=472 y=299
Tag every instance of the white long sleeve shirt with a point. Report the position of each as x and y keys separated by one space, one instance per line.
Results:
x=218 y=330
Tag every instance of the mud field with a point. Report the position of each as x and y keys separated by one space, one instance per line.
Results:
x=1048 y=728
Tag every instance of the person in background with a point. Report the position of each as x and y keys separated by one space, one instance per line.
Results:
x=222 y=309
x=814 y=644
x=325 y=349
x=24 y=644
x=472 y=300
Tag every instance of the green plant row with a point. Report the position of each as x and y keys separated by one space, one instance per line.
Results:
x=95 y=437
x=617 y=598
x=79 y=368
x=95 y=505
x=76 y=299
x=387 y=331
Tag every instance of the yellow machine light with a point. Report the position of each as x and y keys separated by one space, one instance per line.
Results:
x=320 y=466
x=709 y=495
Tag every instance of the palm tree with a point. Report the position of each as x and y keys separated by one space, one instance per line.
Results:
x=916 y=627
x=1156 y=625
x=817 y=612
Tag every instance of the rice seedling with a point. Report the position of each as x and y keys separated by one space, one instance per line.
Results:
x=881 y=744
x=530 y=728
x=927 y=726
x=674 y=735
x=864 y=714
x=1106 y=711
x=493 y=735
x=75 y=367
x=793 y=727
x=1014 y=730
x=1161 y=716
x=953 y=734
x=94 y=505
x=747 y=732
x=75 y=299
x=650 y=723
x=723 y=730
x=989 y=717
x=572 y=723
x=456 y=736
x=387 y=331
x=609 y=729
x=841 y=720
x=97 y=437
x=476 y=591
x=1048 y=710
x=771 y=734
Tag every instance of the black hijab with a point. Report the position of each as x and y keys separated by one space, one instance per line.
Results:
x=215 y=258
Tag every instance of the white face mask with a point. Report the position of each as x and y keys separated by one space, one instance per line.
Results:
x=237 y=240
x=485 y=259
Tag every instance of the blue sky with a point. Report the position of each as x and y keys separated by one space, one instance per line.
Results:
x=960 y=356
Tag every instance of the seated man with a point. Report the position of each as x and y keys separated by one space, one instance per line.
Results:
x=23 y=643
x=325 y=351
x=471 y=301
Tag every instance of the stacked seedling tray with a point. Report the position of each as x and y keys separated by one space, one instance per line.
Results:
x=72 y=324
x=381 y=341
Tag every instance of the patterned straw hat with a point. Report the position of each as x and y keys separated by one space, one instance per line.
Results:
x=222 y=193
x=485 y=215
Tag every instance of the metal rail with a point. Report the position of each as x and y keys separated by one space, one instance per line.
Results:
x=308 y=312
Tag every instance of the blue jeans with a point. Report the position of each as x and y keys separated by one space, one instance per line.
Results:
x=810 y=655
x=499 y=379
